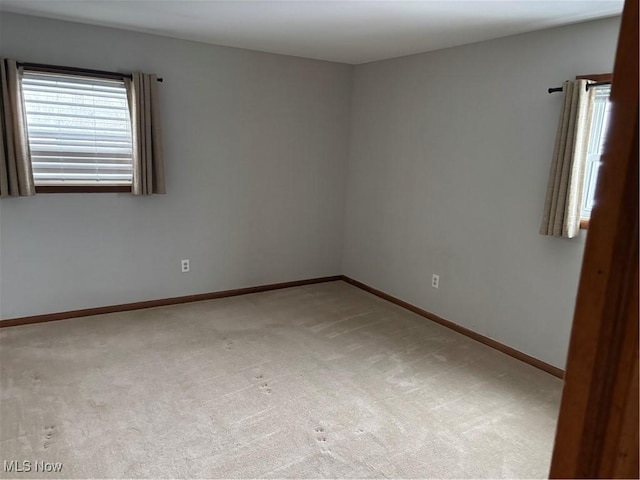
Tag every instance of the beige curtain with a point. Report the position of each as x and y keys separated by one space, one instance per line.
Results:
x=148 y=164
x=561 y=216
x=16 y=176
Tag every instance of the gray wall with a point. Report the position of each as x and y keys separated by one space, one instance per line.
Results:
x=449 y=158
x=256 y=148
x=448 y=161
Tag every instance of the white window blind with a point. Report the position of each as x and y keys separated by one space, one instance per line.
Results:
x=79 y=129
x=597 y=133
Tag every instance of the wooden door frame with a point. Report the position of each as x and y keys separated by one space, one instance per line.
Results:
x=597 y=433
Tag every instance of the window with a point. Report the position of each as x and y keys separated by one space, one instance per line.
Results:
x=597 y=132
x=79 y=130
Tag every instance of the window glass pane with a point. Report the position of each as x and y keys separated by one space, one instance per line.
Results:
x=79 y=129
x=597 y=134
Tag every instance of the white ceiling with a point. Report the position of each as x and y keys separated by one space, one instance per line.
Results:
x=343 y=31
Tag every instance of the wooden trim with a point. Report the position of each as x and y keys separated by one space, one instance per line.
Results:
x=82 y=72
x=512 y=352
x=83 y=188
x=597 y=77
x=584 y=224
x=50 y=317
x=597 y=433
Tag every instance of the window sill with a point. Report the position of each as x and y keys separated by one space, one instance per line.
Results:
x=83 y=188
x=584 y=224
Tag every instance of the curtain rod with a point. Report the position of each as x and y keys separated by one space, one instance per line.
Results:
x=42 y=67
x=589 y=85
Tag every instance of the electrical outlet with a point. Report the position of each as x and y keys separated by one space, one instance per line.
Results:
x=184 y=265
x=435 y=280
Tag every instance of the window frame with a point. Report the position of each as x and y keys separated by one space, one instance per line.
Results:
x=83 y=188
x=596 y=77
x=31 y=67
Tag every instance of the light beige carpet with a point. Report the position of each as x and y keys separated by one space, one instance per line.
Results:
x=322 y=381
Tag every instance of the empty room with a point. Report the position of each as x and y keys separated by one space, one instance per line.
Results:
x=317 y=239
